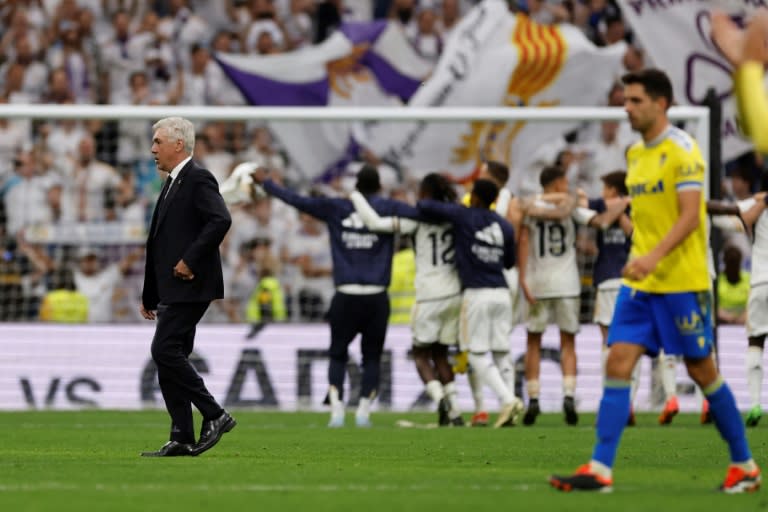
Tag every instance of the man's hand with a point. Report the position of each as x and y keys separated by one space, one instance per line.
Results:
x=260 y=175
x=728 y=37
x=527 y=293
x=182 y=271
x=149 y=315
x=638 y=268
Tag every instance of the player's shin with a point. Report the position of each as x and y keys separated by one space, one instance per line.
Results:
x=611 y=420
x=727 y=419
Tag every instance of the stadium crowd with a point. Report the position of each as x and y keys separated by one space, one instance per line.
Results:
x=277 y=263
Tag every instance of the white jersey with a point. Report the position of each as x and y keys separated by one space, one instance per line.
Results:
x=436 y=275
x=759 y=245
x=552 y=270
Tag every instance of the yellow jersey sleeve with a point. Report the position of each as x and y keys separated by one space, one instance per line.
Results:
x=752 y=103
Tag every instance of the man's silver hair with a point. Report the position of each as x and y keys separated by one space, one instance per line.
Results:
x=178 y=128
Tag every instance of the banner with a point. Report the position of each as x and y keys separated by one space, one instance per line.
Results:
x=283 y=367
x=495 y=58
x=492 y=58
x=370 y=64
x=677 y=37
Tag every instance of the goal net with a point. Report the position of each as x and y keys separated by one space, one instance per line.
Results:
x=79 y=184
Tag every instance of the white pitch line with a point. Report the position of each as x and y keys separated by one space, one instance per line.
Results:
x=256 y=488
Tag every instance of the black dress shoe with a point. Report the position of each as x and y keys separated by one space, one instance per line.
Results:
x=212 y=431
x=171 y=449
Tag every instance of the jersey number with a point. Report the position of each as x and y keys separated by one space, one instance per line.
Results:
x=446 y=257
x=551 y=235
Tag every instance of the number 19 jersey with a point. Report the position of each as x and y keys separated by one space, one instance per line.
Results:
x=552 y=271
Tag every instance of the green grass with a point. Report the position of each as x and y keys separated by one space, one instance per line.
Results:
x=282 y=461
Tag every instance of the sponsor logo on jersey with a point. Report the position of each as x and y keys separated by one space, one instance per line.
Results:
x=639 y=189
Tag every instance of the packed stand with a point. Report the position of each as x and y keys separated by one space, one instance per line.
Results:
x=76 y=195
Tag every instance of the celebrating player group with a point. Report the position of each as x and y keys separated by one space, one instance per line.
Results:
x=494 y=260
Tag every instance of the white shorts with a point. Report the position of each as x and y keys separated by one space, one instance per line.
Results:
x=436 y=321
x=563 y=311
x=486 y=320
x=605 y=302
x=757 y=311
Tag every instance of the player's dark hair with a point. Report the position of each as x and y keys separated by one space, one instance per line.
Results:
x=368 y=180
x=485 y=191
x=655 y=82
x=62 y=279
x=617 y=180
x=436 y=186
x=498 y=170
x=550 y=174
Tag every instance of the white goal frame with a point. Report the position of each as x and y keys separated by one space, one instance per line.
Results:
x=699 y=115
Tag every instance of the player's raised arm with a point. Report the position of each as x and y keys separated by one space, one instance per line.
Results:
x=318 y=207
x=440 y=210
x=559 y=206
x=746 y=51
x=375 y=222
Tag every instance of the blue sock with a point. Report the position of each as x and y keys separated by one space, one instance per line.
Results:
x=722 y=405
x=611 y=420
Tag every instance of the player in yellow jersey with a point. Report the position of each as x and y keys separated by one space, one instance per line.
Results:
x=663 y=302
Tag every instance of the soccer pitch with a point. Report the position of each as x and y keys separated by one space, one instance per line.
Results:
x=291 y=461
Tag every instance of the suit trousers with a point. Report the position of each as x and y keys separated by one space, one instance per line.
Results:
x=180 y=383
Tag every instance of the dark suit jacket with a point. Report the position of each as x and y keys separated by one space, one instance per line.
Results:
x=188 y=224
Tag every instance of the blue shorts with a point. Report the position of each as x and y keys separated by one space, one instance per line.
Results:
x=679 y=323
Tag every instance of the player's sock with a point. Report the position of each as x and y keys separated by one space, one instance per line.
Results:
x=476 y=386
x=435 y=391
x=569 y=385
x=611 y=420
x=668 y=375
x=754 y=374
x=728 y=420
x=363 y=413
x=506 y=369
x=533 y=387
x=600 y=469
x=490 y=376
x=337 y=408
x=453 y=399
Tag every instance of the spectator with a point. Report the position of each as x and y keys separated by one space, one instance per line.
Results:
x=68 y=55
x=732 y=289
x=299 y=30
x=98 y=284
x=64 y=304
x=13 y=139
x=217 y=158
x=426 y=38
x=262 y=150
x=307 y=255
x=450 y=17
x=132 y=143
x=267 y=302
x=183 y=28
x=90 y=187
x=35 y=72
x=28 y=200
x=121 y=55
x=328 y=18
